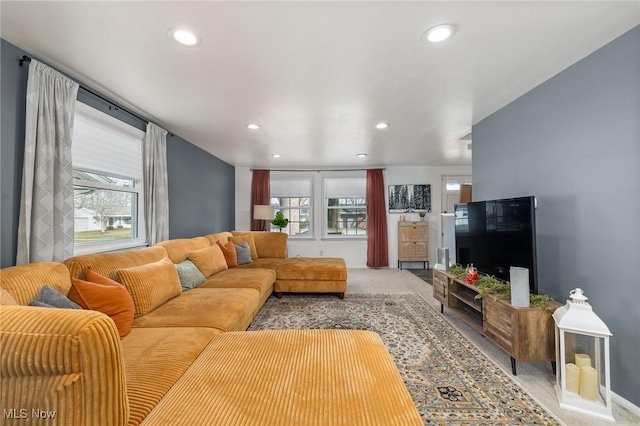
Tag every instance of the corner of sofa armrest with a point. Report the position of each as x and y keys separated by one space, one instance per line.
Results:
x=73 y=355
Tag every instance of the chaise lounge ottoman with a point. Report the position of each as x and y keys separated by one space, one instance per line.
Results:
x=311 y=275
x=290 y=377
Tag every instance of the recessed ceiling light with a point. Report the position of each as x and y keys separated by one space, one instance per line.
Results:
x=253 y=126
x=382 y=125
x=276 y=155
x=439 y=33
x=361 y=155
x=185 y=37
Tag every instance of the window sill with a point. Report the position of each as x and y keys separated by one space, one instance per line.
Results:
x=343 y=238
x=107 y=247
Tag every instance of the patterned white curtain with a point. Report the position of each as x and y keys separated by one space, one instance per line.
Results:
x=45 y=230
x=156 y=191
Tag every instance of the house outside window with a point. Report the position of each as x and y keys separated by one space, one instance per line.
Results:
x=108 y=191
x=345 y=207
x=292 y=197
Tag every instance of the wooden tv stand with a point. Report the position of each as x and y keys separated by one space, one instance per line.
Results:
x=526 y=334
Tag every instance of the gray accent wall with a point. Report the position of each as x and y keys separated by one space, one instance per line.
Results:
x=201 y=186
x=574 y=143
x=201 y=191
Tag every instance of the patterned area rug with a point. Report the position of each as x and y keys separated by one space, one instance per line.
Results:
x=449 y=379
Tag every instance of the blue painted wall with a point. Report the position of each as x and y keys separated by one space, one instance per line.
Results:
x=574 y=142
x=201 y=191
x=201 y=186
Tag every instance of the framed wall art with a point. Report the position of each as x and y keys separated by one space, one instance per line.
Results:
x=409 y=198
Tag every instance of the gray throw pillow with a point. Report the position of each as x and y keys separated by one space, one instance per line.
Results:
x=243 y=251
x=52 y=298
x=190 y=276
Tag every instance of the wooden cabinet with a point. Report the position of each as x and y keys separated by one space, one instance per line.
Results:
x=413 y=242
x=526 y=334
x=458 y=296
x=462 y=300
x=441 y=288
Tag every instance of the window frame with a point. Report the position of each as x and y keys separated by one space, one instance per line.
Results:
x=326 y=208
x=310 y=196
x=137 y=208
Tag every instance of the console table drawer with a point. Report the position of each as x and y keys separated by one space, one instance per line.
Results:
x=440 y=286
x=497 y=325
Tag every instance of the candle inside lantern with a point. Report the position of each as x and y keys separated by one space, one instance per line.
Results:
x=588 y=383
x=583 y=360
x=573 y=377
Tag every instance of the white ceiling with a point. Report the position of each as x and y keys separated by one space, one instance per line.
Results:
x=317 y=75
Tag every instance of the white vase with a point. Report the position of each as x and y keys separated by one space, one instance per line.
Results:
x=519 y=278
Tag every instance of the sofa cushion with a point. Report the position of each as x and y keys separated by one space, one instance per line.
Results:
x=209 y=260
x=51 y=298
x=190 y=276
x=239 y=239
x=154 y=359
x=223 y=237
x=291 y=377
x=243 y=253
x=24 y=282
x=107 y=264
x=224 y=309
x=260 y=279
x=229 y=252
x=264 y=263
x=6 y=298
x=151 y=285
x=105 y=295
x=178 y=248
x=268 y=244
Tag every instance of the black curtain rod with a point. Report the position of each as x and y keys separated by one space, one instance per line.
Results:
x=320 y=170
x=111 y=104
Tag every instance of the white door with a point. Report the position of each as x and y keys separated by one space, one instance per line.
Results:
x=450 y=197
x=451 y=191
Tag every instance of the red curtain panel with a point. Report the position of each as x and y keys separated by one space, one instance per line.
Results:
x=260 y=195
x=377 y=240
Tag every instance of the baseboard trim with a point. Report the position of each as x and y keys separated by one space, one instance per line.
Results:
x=628 y=405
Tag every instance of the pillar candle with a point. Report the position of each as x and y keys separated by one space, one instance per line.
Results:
x=573 y=377
x=588 y=383
x=583 y=360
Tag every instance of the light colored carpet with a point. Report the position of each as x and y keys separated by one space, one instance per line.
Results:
x=450 y=381
x=535 y=377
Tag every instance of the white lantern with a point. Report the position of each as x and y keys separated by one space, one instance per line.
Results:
x=583 y=380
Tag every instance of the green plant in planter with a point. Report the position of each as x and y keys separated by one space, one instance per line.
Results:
x=280 y=221
x=490 y=285
x=458 y=271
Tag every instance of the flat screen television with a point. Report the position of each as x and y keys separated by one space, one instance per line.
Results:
x=497 y=234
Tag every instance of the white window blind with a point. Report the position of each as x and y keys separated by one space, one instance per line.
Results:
x=345 y=187
x=104 y=145
x=290 y=188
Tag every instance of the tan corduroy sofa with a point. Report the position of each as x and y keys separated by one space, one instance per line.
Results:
x=187 y=360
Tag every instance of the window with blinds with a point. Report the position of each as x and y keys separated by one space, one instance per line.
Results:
x=345 y=207
x=107 y=170
x=292 y=197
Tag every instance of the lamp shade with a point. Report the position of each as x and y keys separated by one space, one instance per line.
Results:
x=261 y=212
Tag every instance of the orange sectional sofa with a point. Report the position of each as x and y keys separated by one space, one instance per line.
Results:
x=75 y=364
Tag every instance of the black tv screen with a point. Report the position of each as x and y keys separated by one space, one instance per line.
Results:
x=497 y=234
